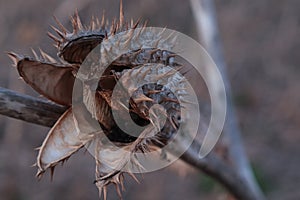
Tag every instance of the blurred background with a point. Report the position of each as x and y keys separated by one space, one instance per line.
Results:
x=261 y=47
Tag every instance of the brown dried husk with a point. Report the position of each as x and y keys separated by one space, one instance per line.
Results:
x=55 y=81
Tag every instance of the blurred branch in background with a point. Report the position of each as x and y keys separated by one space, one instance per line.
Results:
x=205 y=17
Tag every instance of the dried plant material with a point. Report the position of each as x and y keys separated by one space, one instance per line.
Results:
x=54 y=81
x=153 y=105
x=62 y=141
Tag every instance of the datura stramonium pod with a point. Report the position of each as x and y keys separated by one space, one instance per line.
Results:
x=55 y=81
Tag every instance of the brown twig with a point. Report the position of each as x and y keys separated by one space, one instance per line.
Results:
x=29 y=109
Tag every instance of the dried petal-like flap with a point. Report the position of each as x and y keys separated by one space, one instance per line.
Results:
x=62 y=141
x=53 y=81
x=74 y=47
x=77 y=50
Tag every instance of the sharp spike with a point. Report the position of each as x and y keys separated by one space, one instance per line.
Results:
x=122 y=182
x=156 y=44
x=145 y=24
x=186 y=101
x=78 y=20
x=123 y=106
x=92 y=24
x=112 y=27
x=49 y=58
x=99 y=189
x=14 y=57
x=154 y=91
x=104 y=192
x=62 y=35
x=157 y=140
x=38 y=148
x=142 y=98
x=127 y=42
x=103 y=20
x=74 y=24
x=56 y=45
x=167 y=99
x=173 y=123
x=118 y=190
x=131 y=23
x=134 y=177
x=54 y=38
x=136 y=23
x=138 y=165
x=39 y=174
x=98 y=24
x=52 y=172
x=61 y=26
x=116 y=28
x=121 y=20
x=34 y=165
x=171 y=73
x=107 y=23
x=43 y=54
x=139 y=32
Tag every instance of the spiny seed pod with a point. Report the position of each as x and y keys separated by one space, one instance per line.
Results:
x=55 y=80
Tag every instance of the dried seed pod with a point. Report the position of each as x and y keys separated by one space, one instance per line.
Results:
x=73 y=131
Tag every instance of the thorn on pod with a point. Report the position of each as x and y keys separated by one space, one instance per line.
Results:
x=62 y=35
x=14 y=57
x=61 y=26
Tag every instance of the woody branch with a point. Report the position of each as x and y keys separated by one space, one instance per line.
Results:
x=206 y=22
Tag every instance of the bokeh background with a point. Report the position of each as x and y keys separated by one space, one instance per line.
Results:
x=261 y=47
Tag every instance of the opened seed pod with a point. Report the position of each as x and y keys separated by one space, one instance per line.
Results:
x=143 y=73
